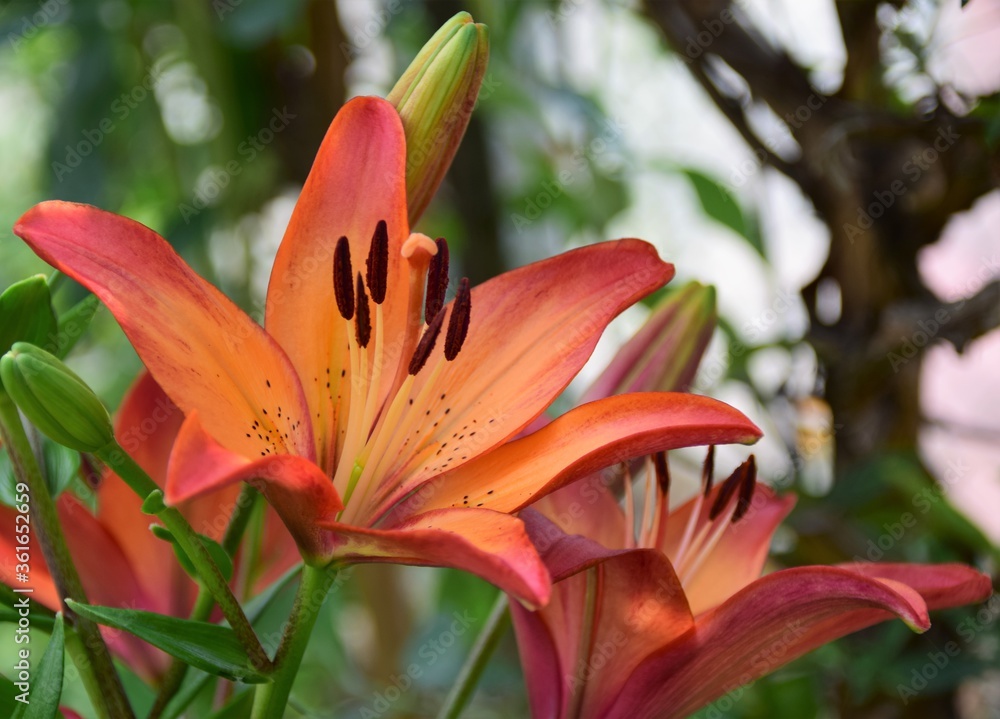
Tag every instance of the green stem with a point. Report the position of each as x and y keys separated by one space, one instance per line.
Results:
x=239 y=519
x=205 y=602
x=188 y=540
x=109 y=698
x=465 y=685
x=271 y=699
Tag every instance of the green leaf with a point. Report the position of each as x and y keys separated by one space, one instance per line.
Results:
x=73 y=323
x=219 y=555
x=153 y=504
x=238 y=708
x=62 y=465
x=209 y=647
x=26 y=314
x=46 y=682
x=720 y=204
x=8 y=704
x=40 y=617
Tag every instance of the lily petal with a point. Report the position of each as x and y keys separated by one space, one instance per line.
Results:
x=587 y=439
x=740 y=554
x=941 y=585
x=201 y=348
x=489 y=544
x=358 y=178
x=585 y=507
x=766 y=625
x=297 y=489
x=550 y=315
x=638 y=606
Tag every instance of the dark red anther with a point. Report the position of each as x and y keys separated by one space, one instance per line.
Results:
x=662 y=471
x=363 y=320
x=343 y=287
x=378 y=263
x=746 y=490
x=708 y=469
x=426 y=343
x=458 y=324
x=437 y=279
x=735 y=480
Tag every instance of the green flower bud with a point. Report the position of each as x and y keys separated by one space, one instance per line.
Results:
x=55 y=399
x=663 y=355
x=435 y=98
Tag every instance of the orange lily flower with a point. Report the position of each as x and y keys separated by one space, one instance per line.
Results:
x=372 y=439
x=121 y=563
x=662 y=622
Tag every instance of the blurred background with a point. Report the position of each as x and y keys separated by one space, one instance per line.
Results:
x=831 y=167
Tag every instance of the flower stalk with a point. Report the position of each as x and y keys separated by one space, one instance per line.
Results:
x=486 y=643
x=270 y=699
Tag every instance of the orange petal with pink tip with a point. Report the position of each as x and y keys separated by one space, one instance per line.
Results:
x=489 y=544
x=585 y=440
x=357 y=179
x=205 y=352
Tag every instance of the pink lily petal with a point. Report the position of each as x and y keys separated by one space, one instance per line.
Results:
x=584 y=507
x=297 y=489
x=489 y=544
x=201 y=348
x=767 y=624
x=585 y=440
x=639 y=606
x=941 y=585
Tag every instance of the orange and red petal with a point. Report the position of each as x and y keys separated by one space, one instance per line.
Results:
x=489 y=544
x=585 y=440
x=202 y=349
x=768 y=624
x=297 y=489
x=531 y=330
x=358 y=178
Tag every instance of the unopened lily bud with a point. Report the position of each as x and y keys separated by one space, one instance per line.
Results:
x=55 y=399
x=435 y=98
x=663 y=355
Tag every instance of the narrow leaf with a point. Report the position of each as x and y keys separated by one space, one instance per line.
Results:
x=26 y=314
x=73 y=323
x=46 y=682
x=209 y=647
x=720 y=204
